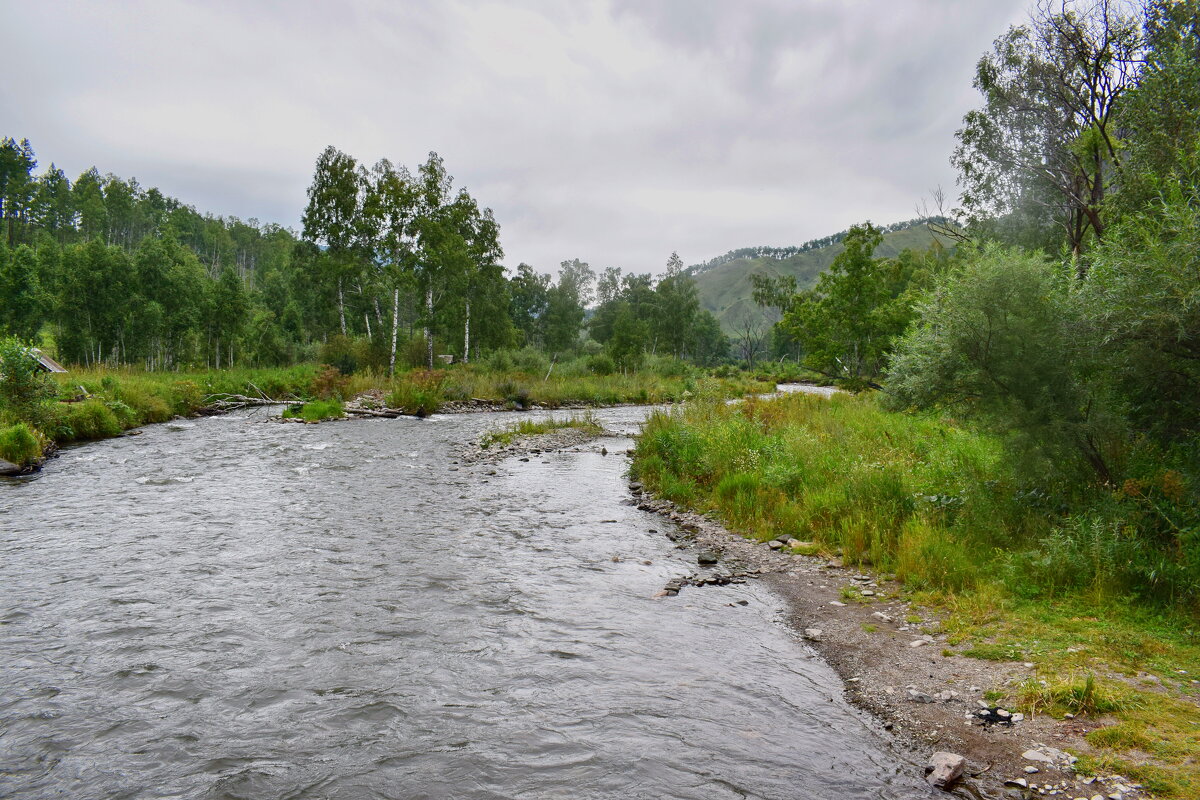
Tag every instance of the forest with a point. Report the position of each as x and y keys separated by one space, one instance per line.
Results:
x=392 y=268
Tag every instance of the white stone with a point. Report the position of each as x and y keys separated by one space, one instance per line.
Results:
x=918 y=643
x=944 y=768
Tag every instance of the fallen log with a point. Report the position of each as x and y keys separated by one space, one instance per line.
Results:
x=387 y=413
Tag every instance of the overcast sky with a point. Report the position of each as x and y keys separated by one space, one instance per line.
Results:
x=613 y=131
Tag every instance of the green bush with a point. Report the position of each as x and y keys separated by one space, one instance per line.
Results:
x=24 y=389
x=19 y=444
x=601 y=364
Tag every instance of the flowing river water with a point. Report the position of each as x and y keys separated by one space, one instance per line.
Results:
x=232 y=608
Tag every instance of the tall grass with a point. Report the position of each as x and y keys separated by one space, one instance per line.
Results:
x=20 y=444
x=941 y=507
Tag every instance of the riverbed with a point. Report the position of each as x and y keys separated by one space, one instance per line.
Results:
x=230 y=607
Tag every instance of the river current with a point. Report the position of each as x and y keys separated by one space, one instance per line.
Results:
x=233 y=608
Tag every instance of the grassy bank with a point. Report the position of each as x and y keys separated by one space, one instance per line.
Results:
x=1081 y=581
x=100 y=403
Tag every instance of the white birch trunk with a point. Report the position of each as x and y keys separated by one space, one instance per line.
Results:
x=341 y=307
x=466 y=354
x=429 y=325
x=395 y=329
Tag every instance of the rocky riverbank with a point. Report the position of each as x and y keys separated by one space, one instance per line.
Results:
x=896 y=665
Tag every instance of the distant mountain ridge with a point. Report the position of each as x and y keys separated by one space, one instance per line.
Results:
x=724 y=284
x=780 y=253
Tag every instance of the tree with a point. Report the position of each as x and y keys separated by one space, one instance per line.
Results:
x=332 y=215
x=847 y=323
x=630 y=335
x=391 y=208
x=678 y=304
x=1044 y=147
x=1160 y=117
x=89 y=203
x=566 y=303
x=1144 y=298
x=53 y=207
x=1004 y=340
x=529 y=301
x=20 y=286
x=17 y=162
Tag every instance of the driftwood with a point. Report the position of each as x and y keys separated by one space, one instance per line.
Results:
x=386 y=413
x=221 y=403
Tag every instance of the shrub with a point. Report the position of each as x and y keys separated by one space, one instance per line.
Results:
x=24 y=389
x=20 y=444
x=330 y=382
x=601 y=364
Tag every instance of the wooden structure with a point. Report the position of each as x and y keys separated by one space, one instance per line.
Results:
x=46 y=363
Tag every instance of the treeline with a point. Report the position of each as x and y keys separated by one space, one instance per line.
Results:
x=393 y=267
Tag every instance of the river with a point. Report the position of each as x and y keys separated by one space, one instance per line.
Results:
x=229 y=607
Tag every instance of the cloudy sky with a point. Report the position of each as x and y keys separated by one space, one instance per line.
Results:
x=614 y=131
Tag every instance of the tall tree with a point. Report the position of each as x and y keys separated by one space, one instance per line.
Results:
x=332 y=215
x=530 y=297
x=678 y=305
x=21 y=311
x=1044 y=147
x=17 y=162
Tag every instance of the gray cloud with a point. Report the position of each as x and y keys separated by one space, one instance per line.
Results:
x=615 y=132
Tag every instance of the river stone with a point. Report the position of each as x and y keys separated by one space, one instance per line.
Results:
x=944 y=768
x=916 y=696
x=9 y=468
x=1038 y=755
x=775 y=544
x=707 y=557
x=813 y=634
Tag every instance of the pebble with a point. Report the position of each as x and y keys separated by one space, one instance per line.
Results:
x=837 y=603
x=813 y=634
x=867 y=593
x=882 y=617
x=918 y=643
x=1032 y=770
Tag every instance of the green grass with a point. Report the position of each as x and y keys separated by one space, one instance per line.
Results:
x=315 y=411
x=534 y=427
x=988 y=651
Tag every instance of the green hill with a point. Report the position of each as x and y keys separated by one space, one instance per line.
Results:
x=724 y=282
